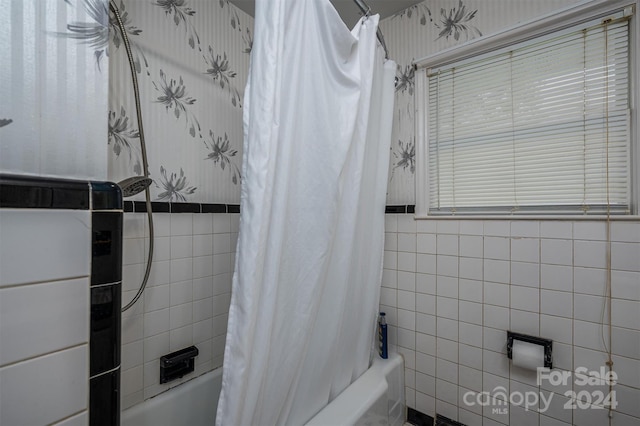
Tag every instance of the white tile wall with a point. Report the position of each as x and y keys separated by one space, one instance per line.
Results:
x=63 y=248
x=187 y=298
x=44 y=316
x=475 y=280
x=81 y=419
x=41 y=318
x=45 y=389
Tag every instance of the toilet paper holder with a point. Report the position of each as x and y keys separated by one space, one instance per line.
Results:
x=546 y=343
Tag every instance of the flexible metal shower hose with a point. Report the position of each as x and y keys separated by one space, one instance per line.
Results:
x=145 y=165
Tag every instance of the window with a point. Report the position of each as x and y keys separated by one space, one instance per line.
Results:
x=541 y=126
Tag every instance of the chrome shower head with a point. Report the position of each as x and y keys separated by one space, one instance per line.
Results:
x=134 y=185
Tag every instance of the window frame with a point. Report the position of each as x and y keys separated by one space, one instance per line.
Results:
x=557 y=21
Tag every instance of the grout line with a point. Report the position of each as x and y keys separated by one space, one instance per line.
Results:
x=52 y=281
x=34 y=357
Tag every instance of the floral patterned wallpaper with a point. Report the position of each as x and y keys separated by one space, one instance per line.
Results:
x=425 y=29
x=192 y=60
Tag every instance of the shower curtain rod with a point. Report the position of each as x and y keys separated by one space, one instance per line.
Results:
x=366 y=10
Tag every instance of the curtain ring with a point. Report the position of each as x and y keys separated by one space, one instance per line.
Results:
x=367 y=13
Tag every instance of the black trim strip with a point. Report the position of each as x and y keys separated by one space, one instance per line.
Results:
x=104 y=399
x=214 y=208
x=106 y=196
x=163 y=207
x=395 y=209
x=105 y=329
x=156 y=207
x=185 y=207
x=106 y=243
x=445 y=421
x=34 y=192
x=418 y=418
x=106 y=372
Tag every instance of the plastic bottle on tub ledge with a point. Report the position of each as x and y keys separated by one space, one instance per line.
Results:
x=382 y=336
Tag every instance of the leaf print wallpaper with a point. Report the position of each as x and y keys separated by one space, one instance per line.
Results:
x=405 y=79
x=452 y=22
x=196 y=57
x=219 y=71
x=232 y=14
x=173 y=95
x=132 y=32
x=221 y=154
x=425 y=29
x=247 y=37
x=123 y=136
x=181 y=12
x=174 y=188
x=404 y=157
x=197 y=66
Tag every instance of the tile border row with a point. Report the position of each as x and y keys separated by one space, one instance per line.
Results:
x=33 y=192
x=418 y=418
x=168 y=207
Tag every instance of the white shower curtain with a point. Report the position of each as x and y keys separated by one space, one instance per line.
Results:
x=317 y=117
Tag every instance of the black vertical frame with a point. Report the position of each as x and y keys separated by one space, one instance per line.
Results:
x=106 y=290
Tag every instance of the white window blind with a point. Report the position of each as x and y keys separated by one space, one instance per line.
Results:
x=541 y=126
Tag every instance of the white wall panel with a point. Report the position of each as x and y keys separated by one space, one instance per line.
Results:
x=28 y=393
x=26 y=313
x=44 y=245
x=52 y=117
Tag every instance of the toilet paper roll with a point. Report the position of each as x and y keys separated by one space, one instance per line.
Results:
x=527 y=355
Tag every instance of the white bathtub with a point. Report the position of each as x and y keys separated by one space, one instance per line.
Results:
x=193 y=403
x=376 y=398
x=377 y=395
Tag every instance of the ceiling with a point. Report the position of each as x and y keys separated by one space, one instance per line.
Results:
x=347 y=9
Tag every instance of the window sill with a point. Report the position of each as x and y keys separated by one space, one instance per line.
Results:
x=555 y=217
